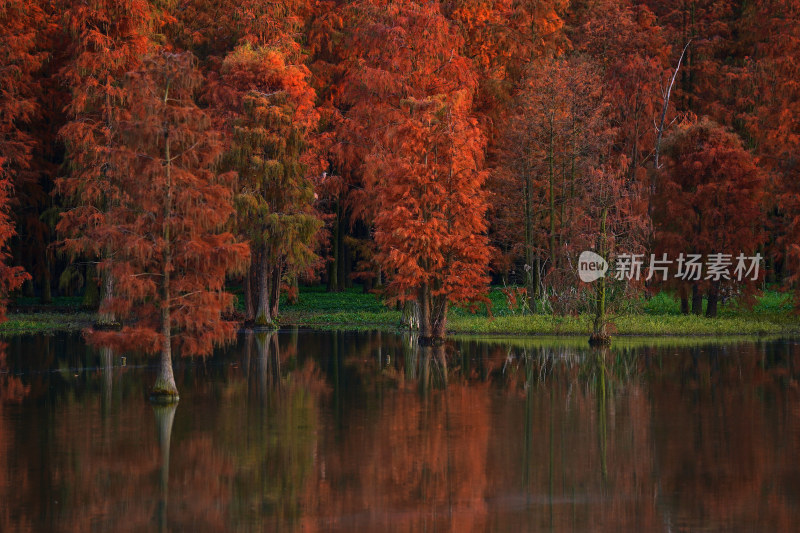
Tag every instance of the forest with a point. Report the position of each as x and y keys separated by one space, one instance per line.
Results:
x=185 y=166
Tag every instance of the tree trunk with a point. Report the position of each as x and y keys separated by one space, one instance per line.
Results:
x=275 y=290
x=165 y=390
x=91 y=295
x=440 y=320
x=684 y=303
x=165 y=416
x=410 y=316
x=107 y=318
x=333 y=266
x=551 y=157
x=424 y=303
x=264 y=310
x=713 y=299
x=531 y=270
x=247 y=290
x=293 y=297
x=697 y=300
x=47 y=294
x=341 y=270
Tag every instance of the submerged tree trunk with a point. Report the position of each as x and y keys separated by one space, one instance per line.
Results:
x=165 y=416
x=269 y=363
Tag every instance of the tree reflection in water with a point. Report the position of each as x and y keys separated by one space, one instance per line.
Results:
x=312 y=431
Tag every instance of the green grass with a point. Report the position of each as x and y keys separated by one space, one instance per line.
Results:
x=353 y=309
x=29 y=323
x=630 y=324
x=659 y=316
x=769 y=303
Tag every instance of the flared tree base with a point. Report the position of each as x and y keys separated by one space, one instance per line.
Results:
x=260 y=325
x=431 y=341
x=600 y=339
x=164 y=397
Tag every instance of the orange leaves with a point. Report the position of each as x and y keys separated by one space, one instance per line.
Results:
x=411 y=97
x=167 y=215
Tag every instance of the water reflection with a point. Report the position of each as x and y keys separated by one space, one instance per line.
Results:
x=304 y=430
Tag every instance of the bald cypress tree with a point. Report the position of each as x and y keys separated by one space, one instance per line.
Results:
x=273 y=114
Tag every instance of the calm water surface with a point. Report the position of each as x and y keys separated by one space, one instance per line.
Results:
x=335 y=431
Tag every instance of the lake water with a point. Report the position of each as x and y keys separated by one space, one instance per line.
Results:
x=337 y=431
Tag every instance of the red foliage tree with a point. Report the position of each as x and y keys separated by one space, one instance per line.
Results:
x=170 y=252
x=551 y=145
x=108 y=40
x=770 y=105
x=411 y=94
x=19 y=24
x=627 y=44
x=708 y=202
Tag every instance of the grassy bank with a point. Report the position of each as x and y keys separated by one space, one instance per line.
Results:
x=30 y=323
x=656 y=316
x=352 y=309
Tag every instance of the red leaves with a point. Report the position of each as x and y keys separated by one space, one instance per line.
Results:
x=411 y=96
x=710 y=196
x=168 y=215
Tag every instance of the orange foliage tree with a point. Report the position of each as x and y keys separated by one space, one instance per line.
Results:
x=411 y=95
x=165 y=226
x=108 y=39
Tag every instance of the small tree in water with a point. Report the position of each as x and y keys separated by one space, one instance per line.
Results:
x=170 y=252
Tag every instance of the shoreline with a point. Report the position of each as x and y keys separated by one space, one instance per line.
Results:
x=625 y=326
